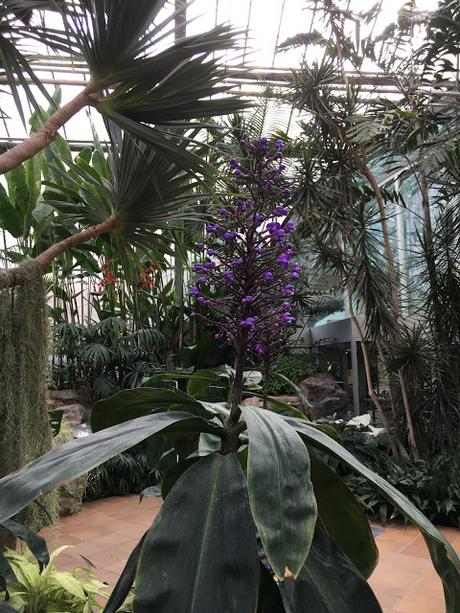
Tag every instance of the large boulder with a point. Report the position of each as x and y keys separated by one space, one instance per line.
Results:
x=324 y=395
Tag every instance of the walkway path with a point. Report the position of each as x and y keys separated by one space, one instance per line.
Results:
x=106 y=531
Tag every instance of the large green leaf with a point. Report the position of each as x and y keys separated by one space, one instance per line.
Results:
x=444 y=558
x=200 y=556
x=328 y=583
x=10 y=220
x=280 y=490
x=269 y=594
x=345 y=521
x=77 y=457
x=138 y=402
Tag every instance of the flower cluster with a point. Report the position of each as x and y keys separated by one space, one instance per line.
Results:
x=248 y=258
x=108 y=277
x=146 y=277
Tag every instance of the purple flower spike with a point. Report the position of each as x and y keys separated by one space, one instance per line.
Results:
x=288 y=318
x=200 y=246
x=294 y=275
x=230 y=235
x=212 y=228
x=233 y=163
x=279 y=144
x=202 y=280
x=198 y=266
x=268 y=276
x=281 y=210
x=248 y=299
x=286 y=305
x=212 y=252
x=248 y=322
x=194 y=291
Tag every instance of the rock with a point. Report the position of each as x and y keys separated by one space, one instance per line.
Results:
x=60 y=397
x=253 y=401
x=325 y=395
x=71 y=495
x=74 y=414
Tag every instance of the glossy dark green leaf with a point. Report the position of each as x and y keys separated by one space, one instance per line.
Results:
x=200 y=556
x=172 y=475
x=125 y=581
x=444 y=557
x=280 y=490
x=200 y=381
x=129 y=404
x=344 y=521
x=34 y=542
x=77 y=457
x=328 y=583
x=270 y=600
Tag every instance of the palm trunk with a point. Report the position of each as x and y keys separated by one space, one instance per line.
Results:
x=41 y=139
x=370 y=388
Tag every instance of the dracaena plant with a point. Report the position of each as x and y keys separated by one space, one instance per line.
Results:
x=254 y=519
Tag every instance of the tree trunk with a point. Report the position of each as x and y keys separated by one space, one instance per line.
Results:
x=41 y=139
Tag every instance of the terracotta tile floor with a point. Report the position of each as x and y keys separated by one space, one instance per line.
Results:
x=106 y=531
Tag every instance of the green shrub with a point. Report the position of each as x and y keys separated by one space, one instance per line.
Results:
x=50 y=590
x=432 y=485
x=295 y=367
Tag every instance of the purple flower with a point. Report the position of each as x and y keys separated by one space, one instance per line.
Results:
x=223 y=213
x=258 y=218
x=212 y=228
x=194 y=291
x=212 y=251
x=238 y=173
x=200 y=246
x=282 y=167
x=228 y=276
x=209 y=264
x=288 y=290
x=248 y=299
x=259 y=250
x=279 y=144
x=233 y=163
x=286 y=305
x=193 y=314
x=268 y=276
x=236 y=262
x=230 y=235
x=260 y=348
x=269 y=184
x=283 y=260
x=202 y=280
x=248 y=322
x=273 y=227
x=289 y=226
x=281 y=210
x=286 y=193
x=288 y=318
x=201 y=299
x=296 y=267
x=198 y=266
x=294 y=275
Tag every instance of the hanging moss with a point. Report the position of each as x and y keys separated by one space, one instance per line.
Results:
x=25 y=431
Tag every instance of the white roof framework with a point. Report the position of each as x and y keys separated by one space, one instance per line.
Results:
x=265 y=23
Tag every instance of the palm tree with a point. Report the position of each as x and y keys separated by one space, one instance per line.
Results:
x=154 y=94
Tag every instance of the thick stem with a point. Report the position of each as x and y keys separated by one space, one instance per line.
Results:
x=47 y=133
x=235 y=412
x=370 y=388
x=45 y=259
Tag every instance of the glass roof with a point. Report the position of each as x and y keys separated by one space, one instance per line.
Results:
x=265 y=24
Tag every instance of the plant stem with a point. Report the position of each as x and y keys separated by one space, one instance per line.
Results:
x=47 y=133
